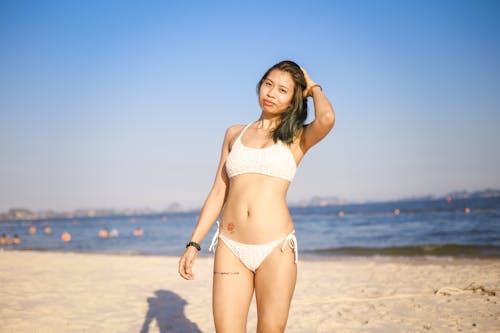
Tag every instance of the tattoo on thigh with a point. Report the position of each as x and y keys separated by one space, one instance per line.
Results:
x=226 y=273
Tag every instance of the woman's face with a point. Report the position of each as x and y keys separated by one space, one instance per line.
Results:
x=276 y=92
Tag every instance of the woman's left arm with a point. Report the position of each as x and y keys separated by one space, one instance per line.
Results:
x=324 y=115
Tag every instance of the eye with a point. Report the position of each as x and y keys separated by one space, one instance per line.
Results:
x=267 y=83
x=283 y=91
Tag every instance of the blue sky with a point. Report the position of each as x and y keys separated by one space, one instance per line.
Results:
x=124 y=104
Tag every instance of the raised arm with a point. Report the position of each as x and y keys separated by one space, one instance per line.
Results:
x=210 y=211
x=324 y=115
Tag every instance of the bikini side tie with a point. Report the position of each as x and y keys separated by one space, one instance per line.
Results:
x=292 y=242
x=215 y=239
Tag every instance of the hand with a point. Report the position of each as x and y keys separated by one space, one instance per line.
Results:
x=309 y=83
x=186 y=263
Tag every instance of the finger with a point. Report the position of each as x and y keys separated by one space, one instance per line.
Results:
x=181 y=263
x=305 y=93
x=188 y=273
x=182 y=268
x=306 y=75
x=184 y=274
x=187 y=276
x=189 y=267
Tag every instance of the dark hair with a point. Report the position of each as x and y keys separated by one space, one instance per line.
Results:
x=292 y=119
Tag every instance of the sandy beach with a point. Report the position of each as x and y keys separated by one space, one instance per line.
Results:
x=72 y=292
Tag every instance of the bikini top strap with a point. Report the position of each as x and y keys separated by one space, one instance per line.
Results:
x=242 y=132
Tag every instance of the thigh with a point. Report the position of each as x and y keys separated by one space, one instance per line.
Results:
x=232 y=291
x=274 y=286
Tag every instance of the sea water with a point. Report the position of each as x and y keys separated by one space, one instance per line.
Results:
x=462 y=227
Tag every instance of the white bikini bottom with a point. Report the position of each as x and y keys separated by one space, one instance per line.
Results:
x=252 y=255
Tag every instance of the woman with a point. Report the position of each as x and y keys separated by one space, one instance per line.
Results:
x=258 y=249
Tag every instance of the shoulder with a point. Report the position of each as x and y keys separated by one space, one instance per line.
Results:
x=231 y=135
x=233 y=131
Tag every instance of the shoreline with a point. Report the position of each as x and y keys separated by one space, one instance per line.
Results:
x=82 y=292
x=310 y=255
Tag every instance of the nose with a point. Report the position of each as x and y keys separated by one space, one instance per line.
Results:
x=271 y=92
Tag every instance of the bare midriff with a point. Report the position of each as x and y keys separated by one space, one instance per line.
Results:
x=255 y=211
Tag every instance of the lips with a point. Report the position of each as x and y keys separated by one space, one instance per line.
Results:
x=268 y=103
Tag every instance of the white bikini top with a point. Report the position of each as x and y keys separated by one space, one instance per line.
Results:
x=276 y=160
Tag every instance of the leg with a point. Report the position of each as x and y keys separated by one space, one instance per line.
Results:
x=274 y=285
x=232 y=291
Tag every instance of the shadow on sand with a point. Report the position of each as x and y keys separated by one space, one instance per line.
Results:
x=168 y=310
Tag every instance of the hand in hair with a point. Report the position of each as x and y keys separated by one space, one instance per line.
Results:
x=309 y=83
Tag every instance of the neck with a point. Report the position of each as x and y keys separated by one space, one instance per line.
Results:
x=268 y=122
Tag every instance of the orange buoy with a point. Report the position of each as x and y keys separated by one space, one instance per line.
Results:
x=66 y=236
x=138 y=232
